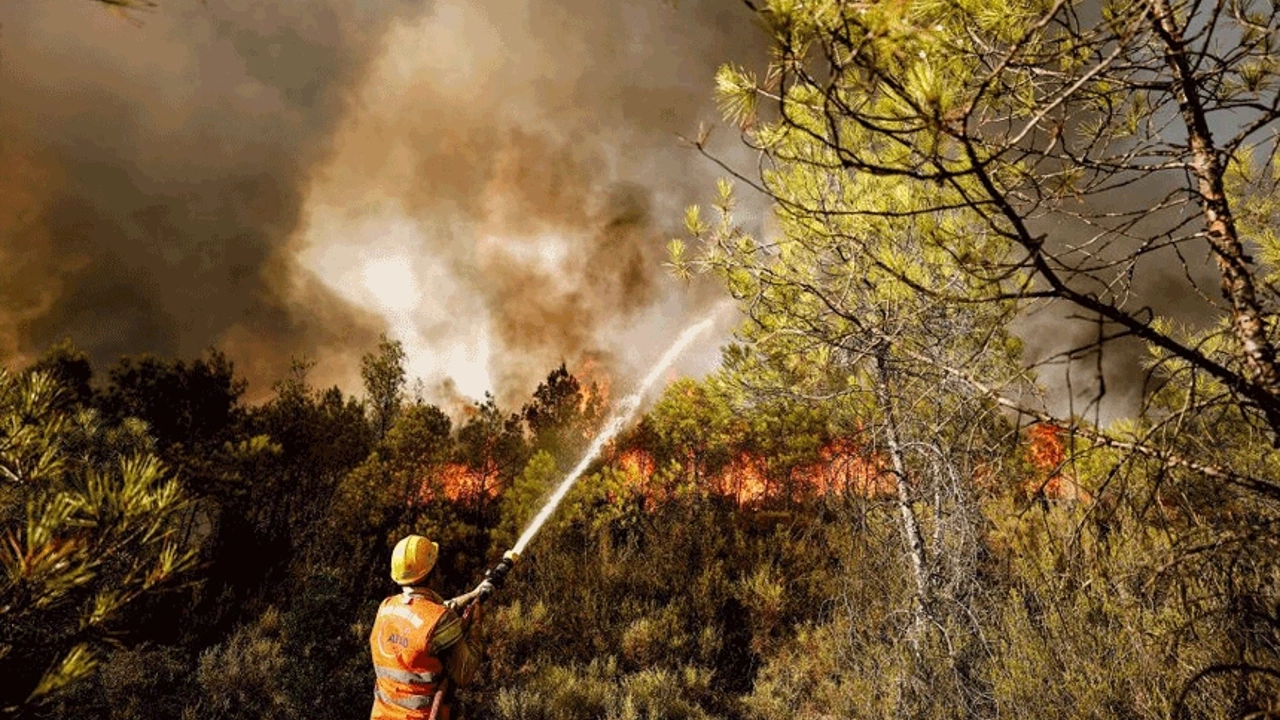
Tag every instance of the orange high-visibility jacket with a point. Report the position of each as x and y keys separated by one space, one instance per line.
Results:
x=407 y=640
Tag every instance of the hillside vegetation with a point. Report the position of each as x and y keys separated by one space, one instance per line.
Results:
x=172 y=552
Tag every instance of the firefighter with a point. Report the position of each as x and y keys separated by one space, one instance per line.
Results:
x=419 y=642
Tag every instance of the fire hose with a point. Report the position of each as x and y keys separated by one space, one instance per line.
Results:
x=470 y=604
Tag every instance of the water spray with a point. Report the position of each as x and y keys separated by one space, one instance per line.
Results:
x=626 y=410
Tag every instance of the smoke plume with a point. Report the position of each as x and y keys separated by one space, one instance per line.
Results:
x=491 y=183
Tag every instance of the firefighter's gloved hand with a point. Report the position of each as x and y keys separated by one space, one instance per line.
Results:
x=485 y=588
x=471 y=616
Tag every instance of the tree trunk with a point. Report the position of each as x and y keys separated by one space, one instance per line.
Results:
x=910 y=524
x=1206 y=163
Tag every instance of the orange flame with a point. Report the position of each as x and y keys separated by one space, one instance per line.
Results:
x=1047 y=451
x=594 y=383
x=637 y=468
x=744 y=479
x=461 y=483
x=844 y=467
x=637 y=465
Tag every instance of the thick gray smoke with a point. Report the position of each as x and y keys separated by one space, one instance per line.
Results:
x=493 y=183
x=490 y=182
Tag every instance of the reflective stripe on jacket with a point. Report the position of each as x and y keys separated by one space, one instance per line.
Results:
x=406 y=656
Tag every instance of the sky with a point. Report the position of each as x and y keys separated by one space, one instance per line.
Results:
x=493 y=184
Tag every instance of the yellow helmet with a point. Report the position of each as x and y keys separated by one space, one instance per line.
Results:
x=412 y=559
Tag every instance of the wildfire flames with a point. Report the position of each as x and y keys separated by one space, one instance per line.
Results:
x=595 y=385
x=1047 y=451
x=743 y=479
x=462 y=483
x=845 y=467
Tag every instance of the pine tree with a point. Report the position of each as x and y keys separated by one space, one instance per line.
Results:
x=384 y=380
x=104 y=525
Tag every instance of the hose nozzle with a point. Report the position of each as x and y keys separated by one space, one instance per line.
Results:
x=494 y=577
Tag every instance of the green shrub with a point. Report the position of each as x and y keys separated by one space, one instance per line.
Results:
x=599 y=691
x=149 y=682
x=244 y=677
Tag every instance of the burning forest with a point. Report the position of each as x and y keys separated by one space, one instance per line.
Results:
x=598 y=360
